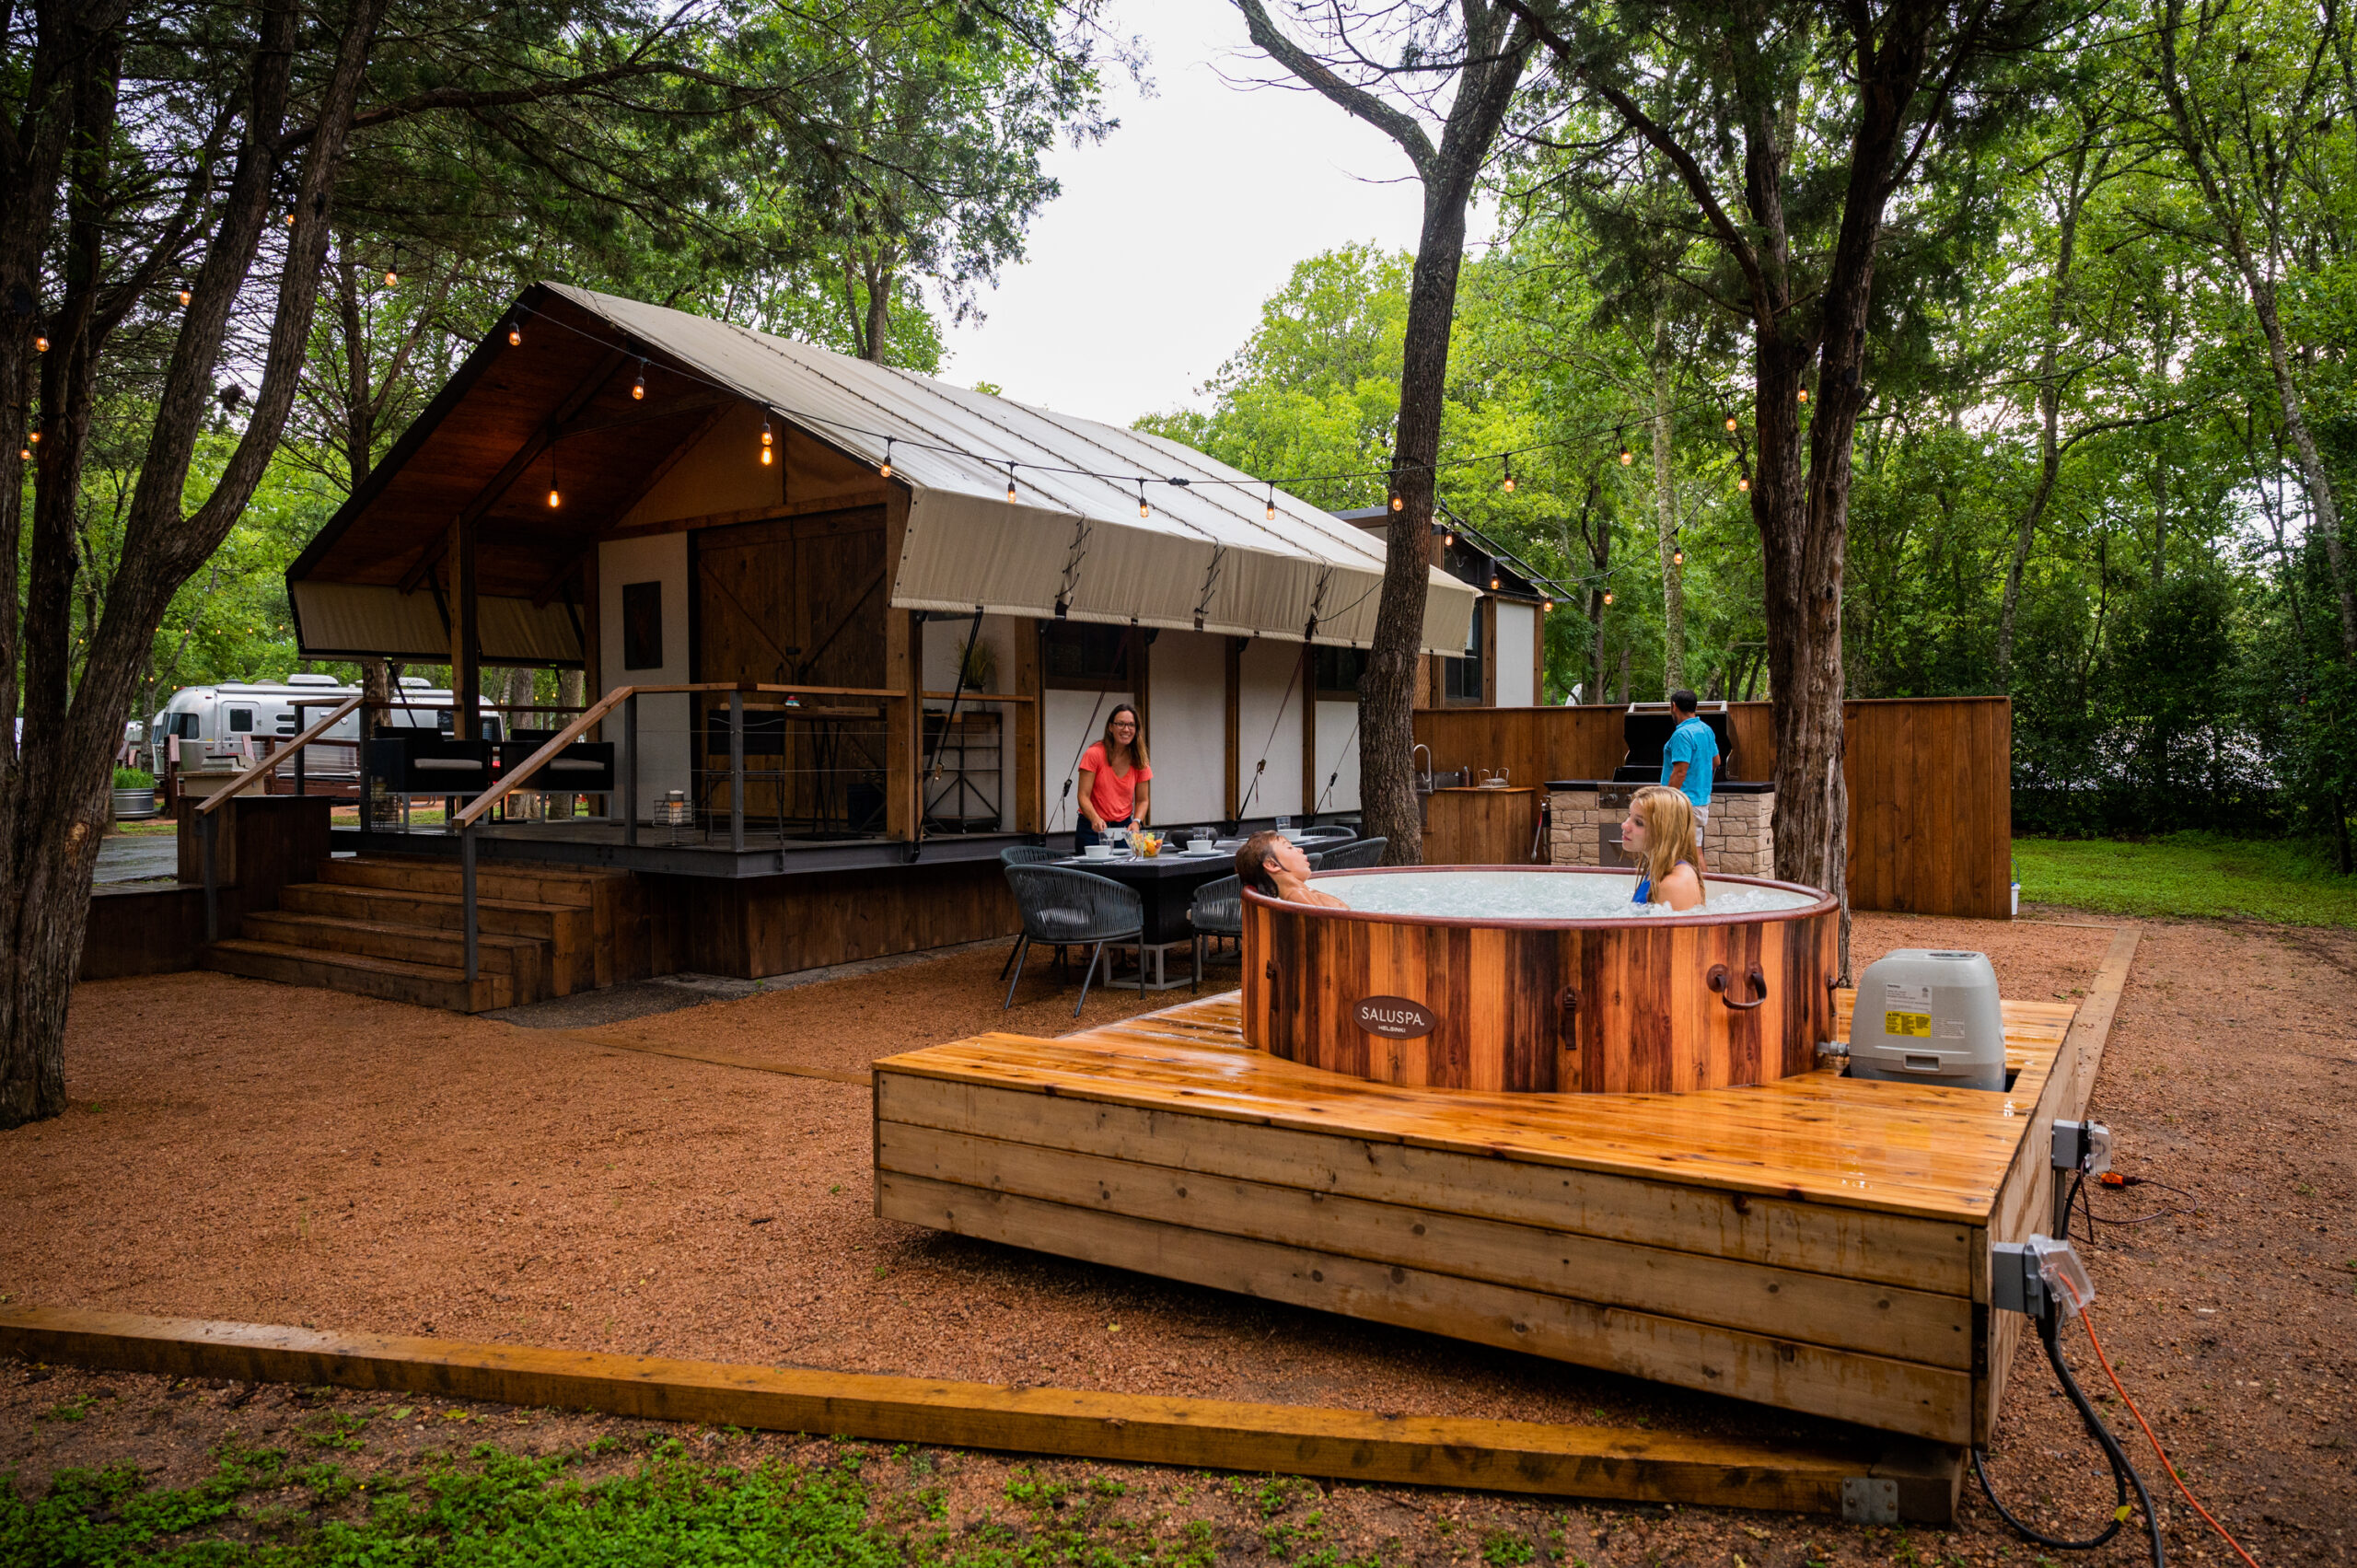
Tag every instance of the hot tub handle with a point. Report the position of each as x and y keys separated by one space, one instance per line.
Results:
x=1721 y=981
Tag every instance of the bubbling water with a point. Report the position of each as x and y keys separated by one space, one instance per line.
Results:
x=1540 y=895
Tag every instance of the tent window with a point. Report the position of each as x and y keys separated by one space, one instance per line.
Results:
x=241 y=721
x=641 y=625
x=1338 y=672
x=1088 y=657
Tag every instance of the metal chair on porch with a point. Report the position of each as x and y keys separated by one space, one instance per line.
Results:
x=1067 y=909
x=1027 y=855
x=1355 y=857
x=1217 y=910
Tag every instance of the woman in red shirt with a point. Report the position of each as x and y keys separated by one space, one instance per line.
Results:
x=1115 y=779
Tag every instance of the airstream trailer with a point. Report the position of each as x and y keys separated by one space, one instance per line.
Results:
x=218 y=730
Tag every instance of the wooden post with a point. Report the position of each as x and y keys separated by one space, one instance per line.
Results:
x=905 y=724
x=1309 y=731
x=1030 y=720
x=1235 y=725
x=1488 y=610
x=1538 y=655
x=466 y=644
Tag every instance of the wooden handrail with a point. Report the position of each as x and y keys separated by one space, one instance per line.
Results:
x=212 y=803
x=976 y=697
x=513 y=777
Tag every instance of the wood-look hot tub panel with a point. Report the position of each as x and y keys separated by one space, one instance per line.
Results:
x=1643 y=1019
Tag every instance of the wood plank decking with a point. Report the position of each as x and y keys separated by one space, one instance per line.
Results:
x=1818 y=1244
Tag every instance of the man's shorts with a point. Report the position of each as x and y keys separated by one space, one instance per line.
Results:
x=1702 y=824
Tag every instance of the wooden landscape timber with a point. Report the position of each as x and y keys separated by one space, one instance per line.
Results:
x=1623 y=1464
x=1634 y=1006
x=1816 y=1243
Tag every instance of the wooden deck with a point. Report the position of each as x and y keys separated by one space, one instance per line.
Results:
x=1817 y=1244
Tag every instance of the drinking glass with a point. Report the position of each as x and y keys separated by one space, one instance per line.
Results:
x=1284 y=824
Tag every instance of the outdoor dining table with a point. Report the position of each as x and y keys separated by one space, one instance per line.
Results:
x=1167 y=882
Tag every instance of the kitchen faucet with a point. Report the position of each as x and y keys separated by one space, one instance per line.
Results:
x=1427 y=750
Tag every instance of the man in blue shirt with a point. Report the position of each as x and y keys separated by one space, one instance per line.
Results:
x=1686 y=761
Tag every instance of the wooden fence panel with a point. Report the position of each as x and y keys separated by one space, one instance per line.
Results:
x=1929 y=779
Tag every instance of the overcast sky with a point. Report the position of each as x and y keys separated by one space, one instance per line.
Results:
x=1151 y=267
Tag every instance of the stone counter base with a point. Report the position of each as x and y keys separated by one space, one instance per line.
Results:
x=1584 y=830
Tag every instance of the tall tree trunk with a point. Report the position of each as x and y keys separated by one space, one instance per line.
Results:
x=1485 y=85
x=1673 y=588
x=52 y=811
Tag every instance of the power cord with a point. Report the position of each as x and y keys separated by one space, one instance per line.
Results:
x=2123 y=1474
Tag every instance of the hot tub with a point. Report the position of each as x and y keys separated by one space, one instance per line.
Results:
x=1541 y=978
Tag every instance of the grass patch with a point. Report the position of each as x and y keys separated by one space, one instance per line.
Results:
x=2193 y=876
x=496 y=1509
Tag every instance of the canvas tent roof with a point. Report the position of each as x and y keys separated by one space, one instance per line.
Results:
x=1205 y=555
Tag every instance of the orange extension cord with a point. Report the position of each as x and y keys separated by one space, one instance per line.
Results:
x=2088 y=1318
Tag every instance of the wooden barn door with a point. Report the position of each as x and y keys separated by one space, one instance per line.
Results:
x=797 y=601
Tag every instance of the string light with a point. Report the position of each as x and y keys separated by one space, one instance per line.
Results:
x=185 y=298
x=1010 y=482
x=1448 y=539
x=1546 y=607
x=556 y=498
x=40 y=345
x=1273 y=503
x=1677 y=555
x=1804 y=394
x=1494 y=582
x=1608 y=596
x=1507 y=483
x=1743 y=484
x=290 y=220
x=1731 y=424
x=24 y=453
x=888 y=457
x=1399 y=501
x=1145 y=511
x=768 y=456
x=1626 y=455
x=36 y=437
x=638 y=387
x=392 y=278
x=514 y=334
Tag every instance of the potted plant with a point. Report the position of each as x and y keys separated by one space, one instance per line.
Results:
x=134 y=794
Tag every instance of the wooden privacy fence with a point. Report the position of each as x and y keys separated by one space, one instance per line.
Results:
x=1930 y=783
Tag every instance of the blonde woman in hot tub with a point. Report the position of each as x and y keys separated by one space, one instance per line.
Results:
x=1659 y=836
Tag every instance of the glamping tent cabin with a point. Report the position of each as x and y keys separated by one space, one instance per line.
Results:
x=771 y=561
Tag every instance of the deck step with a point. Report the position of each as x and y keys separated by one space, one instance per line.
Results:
x=569 y=930
x=522 y=959
x=429 y=985
x=530 y=884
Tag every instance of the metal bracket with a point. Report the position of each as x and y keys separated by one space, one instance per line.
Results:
x=1869 y=1500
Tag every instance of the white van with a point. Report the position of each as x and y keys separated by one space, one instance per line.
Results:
x=215 y=730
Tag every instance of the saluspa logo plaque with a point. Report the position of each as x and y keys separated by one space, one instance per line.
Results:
x=1394 y=1018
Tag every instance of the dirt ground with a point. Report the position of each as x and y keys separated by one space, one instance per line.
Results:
x=245 y=1151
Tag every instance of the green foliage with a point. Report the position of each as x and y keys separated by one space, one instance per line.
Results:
x=2190 y=876
x=133 y=778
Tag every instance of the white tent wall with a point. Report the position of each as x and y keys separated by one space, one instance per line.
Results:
x=663 y=738
x=1337 y=756
x=1270 y=697
x=1072 y=721
x=1517 y=632
x=1187 y=720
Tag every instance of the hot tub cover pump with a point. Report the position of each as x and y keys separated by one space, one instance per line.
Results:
x=1929 y=1015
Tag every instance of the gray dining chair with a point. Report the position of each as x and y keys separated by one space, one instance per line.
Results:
x=1217 y=910
x=1027 y=855
x=1066 y=908
x=1355 y=857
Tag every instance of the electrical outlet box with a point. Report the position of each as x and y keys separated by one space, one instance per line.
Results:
x=2037 y=1277
x=2082 y=1145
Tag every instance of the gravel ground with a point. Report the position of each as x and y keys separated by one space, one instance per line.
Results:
x=241 y=1150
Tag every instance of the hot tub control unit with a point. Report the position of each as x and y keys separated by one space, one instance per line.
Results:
x=1929 y=1015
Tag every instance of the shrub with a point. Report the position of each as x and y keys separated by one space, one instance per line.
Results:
x=133 y=778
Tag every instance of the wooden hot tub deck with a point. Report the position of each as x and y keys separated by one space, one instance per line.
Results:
x=1817 y=1244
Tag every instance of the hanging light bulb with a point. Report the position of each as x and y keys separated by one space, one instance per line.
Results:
x=1804 y=394
x=1399 y=501
x=1677 y=557
x=185 y=298
x=514 y=334
x=1507 y=483
x=1145 y=511
x=1546 y=606
x=24 y=453
x=555 y=500
x=1448 y=539
x=36 y=437
x=40 y=345
x=1731 y=424
x=290 y=220
x=1627 y=456
x=392 y=278
x=768 y=456
x=1743 y=484
x=1608 y=596
x=1494 y=583
x=1010 y=482
x=1273 y=503
x=888 y=457
x=638 y=386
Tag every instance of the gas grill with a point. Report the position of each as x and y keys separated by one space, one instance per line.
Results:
x=1647 y=727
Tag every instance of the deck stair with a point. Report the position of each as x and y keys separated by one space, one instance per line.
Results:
x=394 y=927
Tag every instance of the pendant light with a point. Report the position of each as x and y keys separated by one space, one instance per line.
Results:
x=1506 y=484
x=1145 y=511
x=1010 y=482
x=638 y=386
x=888 y=457
x=1731 y=424
x=1743 y=484
x=556 y=496
x=185 y=297
x=1273 y=503
x=1608 y=596
x=768 y=455
x=514 y=334
x=1804 y=394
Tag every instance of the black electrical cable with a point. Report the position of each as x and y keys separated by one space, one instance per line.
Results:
x=2123 y=1474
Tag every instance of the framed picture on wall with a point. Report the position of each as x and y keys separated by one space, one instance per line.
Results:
x=641 y=625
